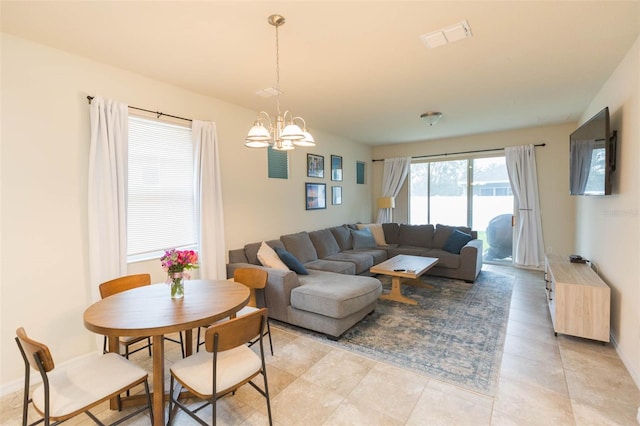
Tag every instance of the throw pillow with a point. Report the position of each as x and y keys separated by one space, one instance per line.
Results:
x=376 y=231
x=269 y=258
x=290 y=260
x=362 y=239
x=456 y=241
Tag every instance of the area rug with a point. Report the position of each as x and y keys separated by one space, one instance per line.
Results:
x=455 y=334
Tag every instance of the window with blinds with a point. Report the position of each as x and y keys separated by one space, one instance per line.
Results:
x=160 y=209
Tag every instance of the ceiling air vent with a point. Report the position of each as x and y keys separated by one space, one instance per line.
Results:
x=269 y=92
x=447 y=35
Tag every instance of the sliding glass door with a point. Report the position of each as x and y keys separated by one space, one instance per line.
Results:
x=492 y=208
x=469 y=192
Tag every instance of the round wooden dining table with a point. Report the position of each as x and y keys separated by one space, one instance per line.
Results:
x=150 y=311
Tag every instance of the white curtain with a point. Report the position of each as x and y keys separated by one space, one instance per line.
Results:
x=394 y=175
x=107 y=208
x=521 y=167
x=208 y=198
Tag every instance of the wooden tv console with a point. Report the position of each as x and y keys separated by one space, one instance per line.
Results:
x=579 y=301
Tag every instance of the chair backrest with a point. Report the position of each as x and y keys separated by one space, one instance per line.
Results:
x=236 y=332
x=253 y=278
x=127 y=282
x=29 y=347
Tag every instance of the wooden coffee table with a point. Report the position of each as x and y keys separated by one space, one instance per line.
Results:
x=403 y=266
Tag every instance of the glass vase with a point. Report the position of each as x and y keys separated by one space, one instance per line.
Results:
x=177 y=285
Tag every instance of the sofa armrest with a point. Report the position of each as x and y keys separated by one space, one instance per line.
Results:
x=471 y=259
x=278 y=289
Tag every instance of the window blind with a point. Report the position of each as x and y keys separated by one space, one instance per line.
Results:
x=160 y=209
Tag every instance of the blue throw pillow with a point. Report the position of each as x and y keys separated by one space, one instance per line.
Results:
x=363 y=239
x=456 y=241
x=291 y=261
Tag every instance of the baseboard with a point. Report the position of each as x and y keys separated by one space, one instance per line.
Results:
x=632 y=372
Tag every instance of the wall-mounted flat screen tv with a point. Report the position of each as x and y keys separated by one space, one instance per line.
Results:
x=592 y=156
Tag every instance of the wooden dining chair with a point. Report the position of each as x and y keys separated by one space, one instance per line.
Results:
x=121 y=284
x=227 y=364
x=256 y=280
x=78 y=386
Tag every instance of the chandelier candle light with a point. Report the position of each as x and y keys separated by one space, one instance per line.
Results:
x=284 y=133
x=175 y=262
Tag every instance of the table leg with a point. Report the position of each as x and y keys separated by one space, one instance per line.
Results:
x=419 y=283
x=114 y=346
x=188 y=342
x=396 y=293
x=158 y=380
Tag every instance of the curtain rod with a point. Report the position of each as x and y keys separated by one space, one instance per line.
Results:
x=461 y=152
x=157 y=113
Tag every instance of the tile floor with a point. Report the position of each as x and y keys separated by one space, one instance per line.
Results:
x=545 y=380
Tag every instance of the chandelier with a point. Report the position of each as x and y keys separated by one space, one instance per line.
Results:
x=284 y=133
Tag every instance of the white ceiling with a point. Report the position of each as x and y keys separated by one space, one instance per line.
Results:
x=357 y=69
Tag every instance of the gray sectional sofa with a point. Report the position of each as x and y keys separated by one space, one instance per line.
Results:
x=429 y=241
x=338 y=289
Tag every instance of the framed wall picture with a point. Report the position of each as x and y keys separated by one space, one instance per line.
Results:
x=315 y=165
x=336 y=195
x=336 y=168
x=315 y=196
x=360 y=172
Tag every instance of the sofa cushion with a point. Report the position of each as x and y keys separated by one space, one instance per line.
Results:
x=337 y=266
x=323 y=294
x=363 y=261
x=269 y=258
x=376 y=231
x=291 y=261
x=378 y=255
x=416 y=235
x=443 y=232
x=362 y=239
x=342 y=234
x=300 y=246
x=324 y=242
x=456 y=241
x=238 y=256
x=251 y=250
x=445 y=259
x=391 y=232
x=410 y=250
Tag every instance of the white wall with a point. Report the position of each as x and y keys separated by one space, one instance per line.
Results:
x=45 y=144
x=552 y=160
x=607 y=228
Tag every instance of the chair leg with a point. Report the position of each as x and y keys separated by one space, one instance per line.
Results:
x=198 y=340
x=149 y=345
x=170 y=419
x=269 y=333
x=266 y=391
x=182 y=344
x=25 y=401
x=214 y=406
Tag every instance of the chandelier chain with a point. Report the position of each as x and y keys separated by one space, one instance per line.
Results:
x=277 y=71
